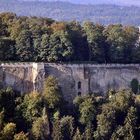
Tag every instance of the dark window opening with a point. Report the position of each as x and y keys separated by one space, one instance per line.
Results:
x=79 y=93
x=79 y=85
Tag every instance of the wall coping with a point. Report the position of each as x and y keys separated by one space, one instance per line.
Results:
x=32 y=64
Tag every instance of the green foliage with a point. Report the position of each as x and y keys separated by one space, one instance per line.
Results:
x=7 y=49
x=110 y=117
x=96 y=42
x=60 y=48
x=56 y=133
x=127 y=131
x=113 y=117
x=31 y=107
x=52 y=94
x=105 y=122
x=8 y=131
x=67 y=127
x=122 y=100
x=21 y=136
x=40 y=127
x=135 y=86
x=122 y=41
x=88 y=134
x=46 y=40
x=77 y=135
x=24 y=48
x=87 y=111
x=63 y=128
x=78 y=100
x=130 y=123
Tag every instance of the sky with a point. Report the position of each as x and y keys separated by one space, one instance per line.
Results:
x=119 y=2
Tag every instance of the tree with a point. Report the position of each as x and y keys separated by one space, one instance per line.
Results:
x=31 y=107
x=7 y=49
x=115 y=39
x=21 y=136
x=36 y=33
x=96 y=42
x=77 y=135
x=106 y=122
x=24 y=47
x=122 y=100
x=8 y=131
x=87 y=111
x=3 y=31
x=63 y=128
x=56 y=133
x=79 y=41
x=118 y=133
x=121 y=41
x=67 y=127
x=44 y=49
x=130 y=124
x=127 y=131
x=88 y=134
x=40 y=127
x=52 y=94
x=60 y=47
x=131 y=40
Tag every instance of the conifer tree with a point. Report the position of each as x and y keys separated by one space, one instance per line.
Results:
x=88 y=134
x=77 y=135
x=40 y=128
x=52 y=94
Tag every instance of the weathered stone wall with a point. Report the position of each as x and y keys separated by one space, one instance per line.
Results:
x=93 y=78
x=27 y=77
x=23 y=77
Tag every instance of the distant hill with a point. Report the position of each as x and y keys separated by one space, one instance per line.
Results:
x=104 y=14
x=116 y=2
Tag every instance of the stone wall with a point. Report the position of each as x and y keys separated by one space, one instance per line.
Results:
x=73 y=79
x=93 y=78
x=22 y=77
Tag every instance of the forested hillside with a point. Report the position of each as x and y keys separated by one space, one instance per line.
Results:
x=104 y=14
x=43 y=39
x=116 y=2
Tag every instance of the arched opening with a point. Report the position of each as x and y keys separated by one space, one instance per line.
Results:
x=79 y=85
x=79 y=93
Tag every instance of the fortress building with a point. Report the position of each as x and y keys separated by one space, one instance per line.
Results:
x=74 y=79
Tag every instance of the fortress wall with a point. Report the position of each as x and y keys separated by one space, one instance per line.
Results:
x=105 y=78
x=27 y=77
x=22 y=77
x=93 y=78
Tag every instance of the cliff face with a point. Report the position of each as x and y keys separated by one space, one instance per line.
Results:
x=73 y=79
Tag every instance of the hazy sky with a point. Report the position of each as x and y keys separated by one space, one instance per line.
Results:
x=120 y=2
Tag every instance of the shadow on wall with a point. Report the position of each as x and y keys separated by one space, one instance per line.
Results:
x=135 y=86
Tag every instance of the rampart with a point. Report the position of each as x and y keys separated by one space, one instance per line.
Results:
x=74 y=79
